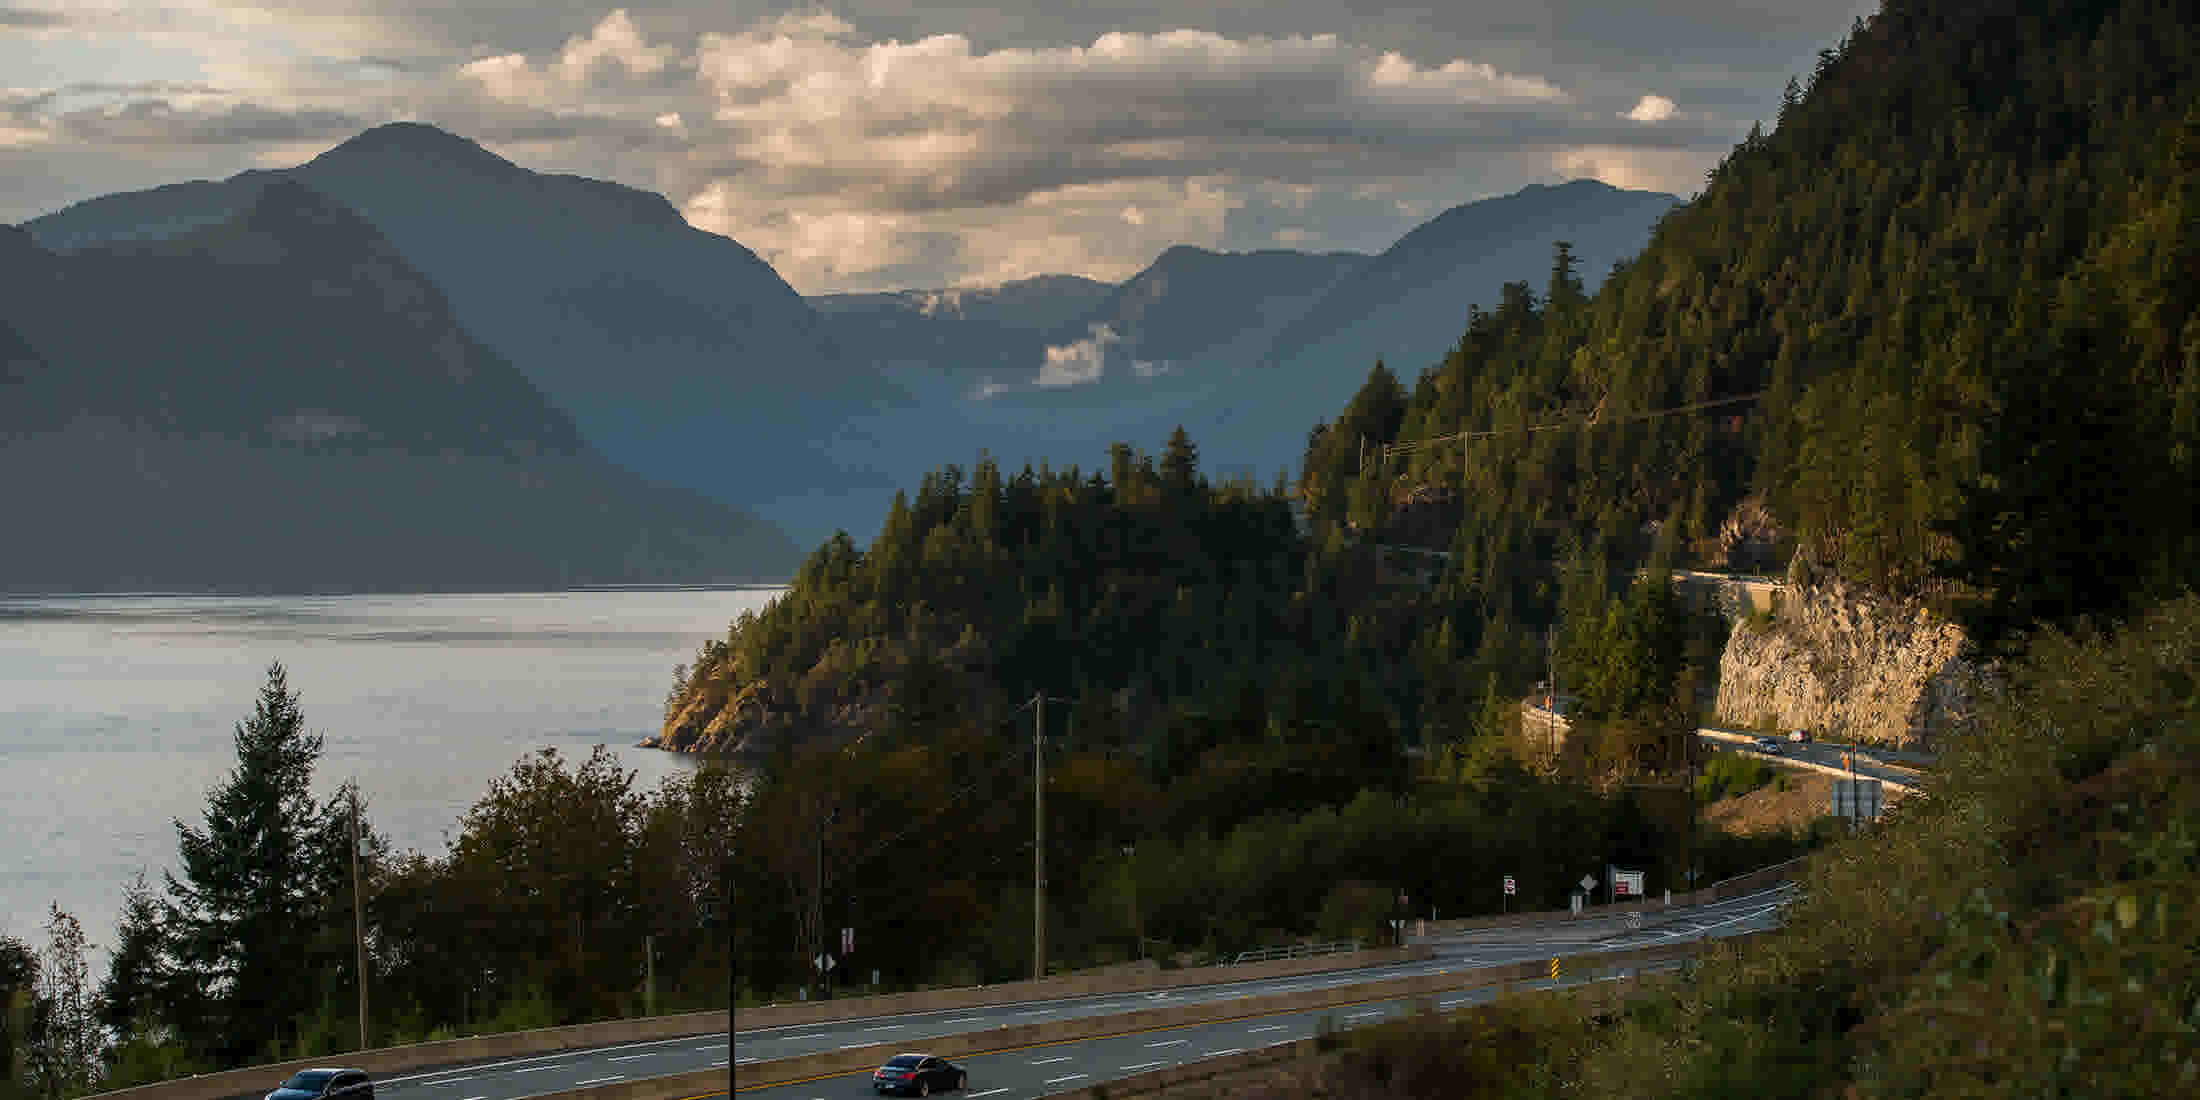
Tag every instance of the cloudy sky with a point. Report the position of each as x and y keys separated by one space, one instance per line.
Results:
x=882 y=144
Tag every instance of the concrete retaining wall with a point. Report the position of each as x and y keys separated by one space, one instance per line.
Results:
x=835 y=1062
x=937 y=1000
x=254 y=1081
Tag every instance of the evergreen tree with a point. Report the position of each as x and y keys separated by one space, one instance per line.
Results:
x=243 y=913
x=18 y=1009
x=132 y=999
x=1180 y=461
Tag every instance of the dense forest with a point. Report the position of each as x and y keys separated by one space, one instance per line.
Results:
x=1251 y=736
x=1949 y=299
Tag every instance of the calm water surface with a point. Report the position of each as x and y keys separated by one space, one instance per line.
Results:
x=117 y=714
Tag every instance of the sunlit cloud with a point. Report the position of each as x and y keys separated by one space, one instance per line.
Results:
x=1079 y=362
x=875 y=146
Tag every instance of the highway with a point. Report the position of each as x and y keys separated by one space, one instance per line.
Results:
x=1029 y=1072
x=1871 y=763
x=1013 y=1074
x=1098 y=1060
x=511 y=1078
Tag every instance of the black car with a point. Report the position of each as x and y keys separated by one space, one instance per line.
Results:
x=918 y=1075
x=325 y=1084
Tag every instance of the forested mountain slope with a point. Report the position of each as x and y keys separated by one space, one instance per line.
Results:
x=158 y=397
x=1960 y=271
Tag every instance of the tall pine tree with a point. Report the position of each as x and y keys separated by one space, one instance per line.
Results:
x=243 y=914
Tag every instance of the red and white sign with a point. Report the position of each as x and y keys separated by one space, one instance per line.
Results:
x=1509 y=890
x=1627 y=884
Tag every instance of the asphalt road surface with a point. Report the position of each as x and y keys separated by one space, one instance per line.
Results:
x=1093 y=1060
x=1868 y=765
x=1024 y=1073
x=515 y=1078
x=510 y=1078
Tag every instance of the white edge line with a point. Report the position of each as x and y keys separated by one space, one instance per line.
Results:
x=582 y=1051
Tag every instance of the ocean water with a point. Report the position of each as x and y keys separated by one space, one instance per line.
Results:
x=117 y=713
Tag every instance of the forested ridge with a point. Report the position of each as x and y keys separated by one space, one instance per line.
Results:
x=1960 y=270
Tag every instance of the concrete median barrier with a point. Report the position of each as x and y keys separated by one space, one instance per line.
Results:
x=255 y=1081
x=678 y=1086
x=1598 y=998
x=995 y=1040
x=941 y=1000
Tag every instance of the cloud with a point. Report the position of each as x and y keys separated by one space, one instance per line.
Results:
x=1079 y=362
x=201 y=119
x=877 y=145
x=32 y=19
x=1678 y=171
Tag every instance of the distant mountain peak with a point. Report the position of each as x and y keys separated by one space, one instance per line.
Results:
x=423 y=141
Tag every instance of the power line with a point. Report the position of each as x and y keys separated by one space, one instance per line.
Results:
x=1391 y=450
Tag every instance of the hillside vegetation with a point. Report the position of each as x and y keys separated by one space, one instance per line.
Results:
x=1960 y=272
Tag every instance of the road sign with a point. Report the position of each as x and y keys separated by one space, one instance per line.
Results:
x=825 y=961
x=1554 y=968
x=1857 y=798
x=1588 y=883
x=1509 y=890
x=1627 y=884
x=847 y=941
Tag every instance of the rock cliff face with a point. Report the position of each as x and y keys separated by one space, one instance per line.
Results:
x=1845 y=663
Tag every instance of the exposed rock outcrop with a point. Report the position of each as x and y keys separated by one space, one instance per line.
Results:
x=1849 y=664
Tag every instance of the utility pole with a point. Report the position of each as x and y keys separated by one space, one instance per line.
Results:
x=1038 y=704
x=1039 y=837
x=819 y=909
x=358 y=918
x=649 y=978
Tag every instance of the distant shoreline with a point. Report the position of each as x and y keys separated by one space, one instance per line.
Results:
x=238 y=593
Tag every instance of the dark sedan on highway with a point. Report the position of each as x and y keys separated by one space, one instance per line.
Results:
x=325 y=1084
x=918 y=1075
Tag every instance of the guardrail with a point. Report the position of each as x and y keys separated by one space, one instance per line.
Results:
x=1295 y=951
x=934 y=1000
x=256 y=1080
x=1746 y=883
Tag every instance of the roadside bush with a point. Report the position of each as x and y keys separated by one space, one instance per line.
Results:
x=1729 y=773
x=2019 y=930
x=1357 y=910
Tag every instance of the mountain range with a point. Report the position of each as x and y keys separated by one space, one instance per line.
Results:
x=277 y=400
x=681 y=359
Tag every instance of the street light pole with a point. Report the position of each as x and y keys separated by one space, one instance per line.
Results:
x=816 y=960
